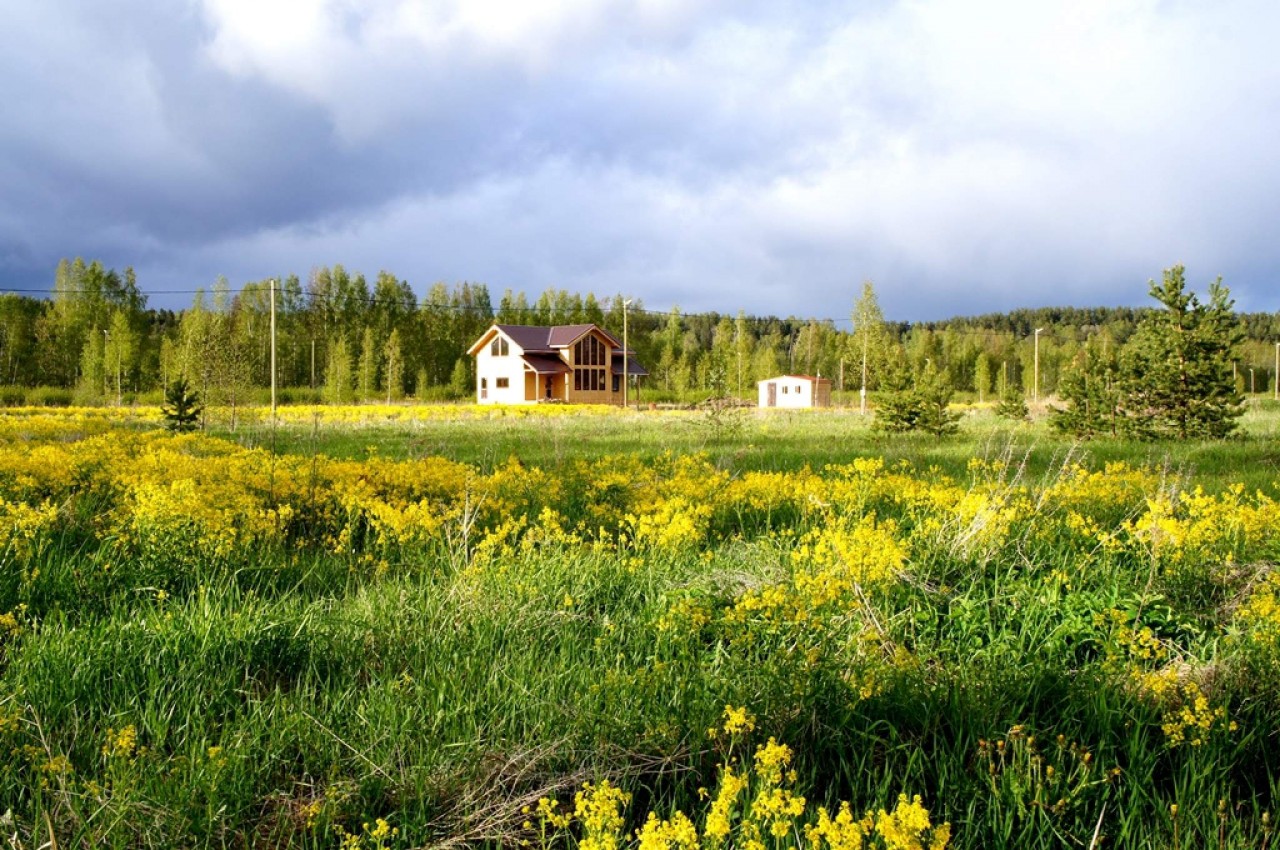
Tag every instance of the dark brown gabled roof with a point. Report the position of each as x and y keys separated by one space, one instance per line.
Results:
x=532 y=338
x=527 y=337
x=563 y=336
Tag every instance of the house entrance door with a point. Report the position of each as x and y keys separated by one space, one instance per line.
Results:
x=550 y=382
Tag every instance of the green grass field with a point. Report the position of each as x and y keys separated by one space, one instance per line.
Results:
x=773 y=440
x=277 y=636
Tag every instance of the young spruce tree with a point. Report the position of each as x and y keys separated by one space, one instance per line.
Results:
x=1013 y=403
x=922 y=407
x=181 y=407
x=1090 y=387
x=1175 y=371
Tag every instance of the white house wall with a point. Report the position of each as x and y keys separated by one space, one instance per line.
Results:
x=490 y=368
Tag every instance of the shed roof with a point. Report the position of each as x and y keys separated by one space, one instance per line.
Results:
x=818 y=379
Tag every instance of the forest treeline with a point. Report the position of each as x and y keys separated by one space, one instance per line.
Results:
x=342 y=337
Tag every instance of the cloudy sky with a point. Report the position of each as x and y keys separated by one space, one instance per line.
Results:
x=766 y=155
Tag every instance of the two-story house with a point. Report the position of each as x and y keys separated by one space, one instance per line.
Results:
x=520 y=364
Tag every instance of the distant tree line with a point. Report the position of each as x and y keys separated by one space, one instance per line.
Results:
x=341 y=337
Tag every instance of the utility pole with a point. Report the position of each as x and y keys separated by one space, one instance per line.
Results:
x=626 y=355
x=863 y=392
x=106 y=381
x=1035 y=381
x=273 y=348
x=1276 y=394
x=737 y=344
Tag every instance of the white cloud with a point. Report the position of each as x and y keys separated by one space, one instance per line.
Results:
x=740 y=153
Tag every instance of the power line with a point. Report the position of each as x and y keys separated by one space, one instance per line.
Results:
x=332 y=299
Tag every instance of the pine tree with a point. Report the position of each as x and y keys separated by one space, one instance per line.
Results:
x=182 y=406
x=922 y=407
x=1013 y=403
x=1090 y=387
x=933 y=395
x=1175 y=372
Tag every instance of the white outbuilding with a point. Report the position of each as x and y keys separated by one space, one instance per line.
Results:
x=795 y=391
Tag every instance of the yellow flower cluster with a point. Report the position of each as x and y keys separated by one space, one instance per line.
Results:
x=1188 y=716
x=1260 y=613
x=24 y=528
x=348 y=415
x=1114 y=491
x=599 y=810
x=1196 y=528
x=738 y=721
x=374 y=837
x=121 y=744
x=907 y=827
x=753 y=809
x=678 y=833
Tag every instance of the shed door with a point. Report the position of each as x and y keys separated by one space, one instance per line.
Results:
x=773 y=394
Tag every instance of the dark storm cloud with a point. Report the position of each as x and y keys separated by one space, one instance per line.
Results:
x=717 y=155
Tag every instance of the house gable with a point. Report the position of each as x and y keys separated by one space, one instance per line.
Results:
x=523 y=364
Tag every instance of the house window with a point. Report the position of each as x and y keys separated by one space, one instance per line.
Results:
x=589 y=380
x=484 y=388
x=590 y=352
x=499 y=347
x=502 y=383
x=617 y=383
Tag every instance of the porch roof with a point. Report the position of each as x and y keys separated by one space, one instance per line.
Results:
x=544 y=364
x=633 y=366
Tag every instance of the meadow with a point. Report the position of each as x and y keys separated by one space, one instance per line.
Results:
x=419 y=626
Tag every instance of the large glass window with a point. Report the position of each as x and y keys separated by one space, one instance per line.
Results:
x=499 y=347
x=589 y=380
x=588 y=353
